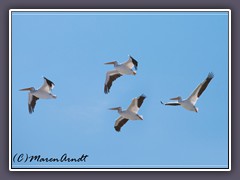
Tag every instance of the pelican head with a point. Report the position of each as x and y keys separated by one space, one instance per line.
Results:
x=177 y=98
x=27 y=89
x=113 y=62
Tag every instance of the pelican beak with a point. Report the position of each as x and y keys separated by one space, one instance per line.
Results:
x=196 y=109
x=116 y=108
x=176 y=98
x=25 y=89
x=140 y=117
x=113 y=62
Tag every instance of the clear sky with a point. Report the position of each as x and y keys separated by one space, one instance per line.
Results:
x=175 y=52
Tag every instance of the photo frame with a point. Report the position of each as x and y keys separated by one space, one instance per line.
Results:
x=14 y=155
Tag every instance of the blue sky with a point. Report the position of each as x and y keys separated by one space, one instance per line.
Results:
x=175 y=52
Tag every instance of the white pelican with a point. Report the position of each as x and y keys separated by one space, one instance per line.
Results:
x=130 y=113
x=190 y=102
x=43 y=92
x=120 y=69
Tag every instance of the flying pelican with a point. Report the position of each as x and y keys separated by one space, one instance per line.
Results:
x=43 y=92
x=130 y=113
x=120 y=69
x=190 y=102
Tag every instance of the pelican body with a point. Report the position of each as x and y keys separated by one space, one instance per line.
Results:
x=190 y=102
x=131 y=113
x=120 y=69
x=44 y=92
x=127 y=114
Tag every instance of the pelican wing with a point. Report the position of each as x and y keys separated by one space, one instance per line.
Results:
x=110 y=77
x=31 y=102
x=131 y=63
x=200 y=89
x=47 y=85
x=171 y=104
x=136 y=104
x=119 y=123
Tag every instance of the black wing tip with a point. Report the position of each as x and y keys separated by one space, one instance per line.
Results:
x=106 y=89
x=162 y=103
x=143 y=96
x=140 y=100
x=48 y=81
x=45 y=78
x=33 y=104
x=117 y=128
x=30 y=109
x=210 y=75
x=134 y=62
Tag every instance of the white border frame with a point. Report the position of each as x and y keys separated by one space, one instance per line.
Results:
x=119 y=10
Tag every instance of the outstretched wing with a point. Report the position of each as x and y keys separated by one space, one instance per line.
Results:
x=200 y=89
x=31 y=102
x=47 y=85
x=110 y=77
x=136 y=104
x=119 y=123
x=131 y=63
